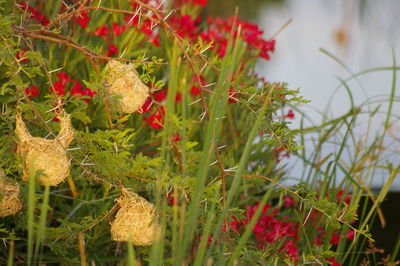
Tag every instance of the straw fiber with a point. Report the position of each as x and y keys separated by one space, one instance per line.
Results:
x=46 y=155
x=122 y=79
x=135 y=221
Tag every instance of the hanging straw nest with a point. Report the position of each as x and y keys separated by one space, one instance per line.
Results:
x=122 y=79
x=9 y=196
x=46 y=155
x=135 y=221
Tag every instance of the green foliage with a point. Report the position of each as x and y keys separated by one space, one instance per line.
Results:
x=213 y=156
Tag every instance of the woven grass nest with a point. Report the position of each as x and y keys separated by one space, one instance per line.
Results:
x=136 y=221
x=46 y=155
x=122 y=79
x=10 y=203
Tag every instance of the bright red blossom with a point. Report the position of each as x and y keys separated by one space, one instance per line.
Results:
x=232 y=96
x=34 y=13
x=83 y=19
x=102 y=31
x=21 y=55
x=333 y=262
x=146 y=107
x=290 y=114
x=32 y=91
x=176 y=137
x=178 y=97
x=112 y=50
x=160 y=95
x=269 y=229
x=156 y=120
x=335 y=239
x=118 y=30
x=185 y=26
x=288 y=202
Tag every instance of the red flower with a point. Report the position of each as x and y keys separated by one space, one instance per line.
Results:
x=160 y=95
x=102 y=31
x=231 y=98
x=340 y=196
x=77 y=88
x=83 y=19
x=32 y=91
x=118 y=30
x=176 y=137
x=146 y=27
x=58 y=88
x=87 y=92
x=35 y=13
x=185 y=26
x=155 y=40
x=178 y=97
x=350 y=234
x=335 y=238
x=288 y=201
x=156 y=120
x=63 y=77
x=146 y=107
x=290 y=114
x=21 y=55
x=112 y=50
x=195 y=91
x=171 y=199
x=333 y=261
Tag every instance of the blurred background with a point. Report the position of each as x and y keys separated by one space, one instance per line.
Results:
x=361 y=34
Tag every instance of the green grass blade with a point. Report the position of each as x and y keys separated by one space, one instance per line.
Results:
x=131 y=254
x=218 y=106
x=242 y=166
x=206 y=232
x=396 y=250
x=10 y=260
x=42 y=222
x=30 y=214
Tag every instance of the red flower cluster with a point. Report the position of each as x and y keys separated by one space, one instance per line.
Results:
x=342 y=196
x=195 y=90
x=112 y=50
x=219 y=30
x=270 y=228
x=62 y=82
x=82 y=19
x=32 y=91
x=146 y=26
x=156 y=119
x=21 y=55
x=290 y=114
x=103 y=31
x=185 y=26
x=34 y=13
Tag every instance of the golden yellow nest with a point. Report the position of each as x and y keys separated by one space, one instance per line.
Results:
x=9 y=197
x=46 y=155
x=122 y=79
x=135 y=221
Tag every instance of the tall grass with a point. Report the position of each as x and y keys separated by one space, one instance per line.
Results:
x=356 y=156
